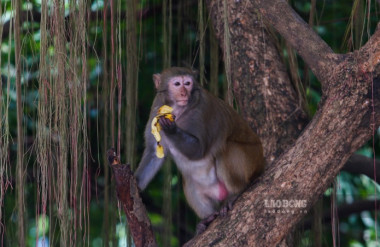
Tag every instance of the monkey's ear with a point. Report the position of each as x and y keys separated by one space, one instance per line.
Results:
x=195 y=73
x=157 y=80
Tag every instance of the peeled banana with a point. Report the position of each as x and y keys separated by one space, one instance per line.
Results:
x=163 y=111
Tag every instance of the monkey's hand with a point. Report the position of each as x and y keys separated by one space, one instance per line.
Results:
x=167 y=124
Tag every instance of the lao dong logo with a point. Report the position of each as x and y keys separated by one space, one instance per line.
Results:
x=285 y=203
x=285 y=206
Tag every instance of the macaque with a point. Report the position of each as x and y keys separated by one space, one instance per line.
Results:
x=215 y=150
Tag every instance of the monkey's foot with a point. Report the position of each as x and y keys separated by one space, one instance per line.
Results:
x=227 y=207
x=202 y=226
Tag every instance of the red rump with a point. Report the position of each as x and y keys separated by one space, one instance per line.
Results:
x=223 y=192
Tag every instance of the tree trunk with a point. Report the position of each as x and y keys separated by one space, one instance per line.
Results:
x=261 y=84
x=346 y=119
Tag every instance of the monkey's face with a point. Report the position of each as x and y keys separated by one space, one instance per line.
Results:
x=180 y=89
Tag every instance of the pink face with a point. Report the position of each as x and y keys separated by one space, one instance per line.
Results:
x=180 y=89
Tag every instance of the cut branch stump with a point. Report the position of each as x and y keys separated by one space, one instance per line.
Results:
x=128 y=195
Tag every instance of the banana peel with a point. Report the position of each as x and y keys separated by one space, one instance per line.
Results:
x=163 y=111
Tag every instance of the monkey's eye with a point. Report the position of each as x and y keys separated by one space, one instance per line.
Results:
x=177 y=83
x=187 y=83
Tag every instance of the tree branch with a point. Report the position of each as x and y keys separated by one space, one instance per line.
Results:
x=359 y=164
x=312 y=48
x=128 y=194
x=346 y=210
x=303 y=172
x=374 y=39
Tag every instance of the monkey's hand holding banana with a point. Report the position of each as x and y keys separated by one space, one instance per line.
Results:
x=163 y=118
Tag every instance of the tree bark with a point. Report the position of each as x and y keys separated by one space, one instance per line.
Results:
x=261 y=84
x=344 y=121
x=128 y=195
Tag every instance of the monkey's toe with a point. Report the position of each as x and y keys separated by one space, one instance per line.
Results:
x=202 y=226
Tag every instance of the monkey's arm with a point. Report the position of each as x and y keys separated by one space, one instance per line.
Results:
x=148 y=167
x=188 y=144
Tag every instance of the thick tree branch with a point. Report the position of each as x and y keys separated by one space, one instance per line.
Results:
x=312 y=48
x=359 y=164
x=364 y=67
x=343 y=123
x=346 y=210
x=370 y=45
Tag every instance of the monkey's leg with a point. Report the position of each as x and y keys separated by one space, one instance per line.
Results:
x=202 y=204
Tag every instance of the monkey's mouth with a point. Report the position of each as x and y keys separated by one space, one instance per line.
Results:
x=182 y=102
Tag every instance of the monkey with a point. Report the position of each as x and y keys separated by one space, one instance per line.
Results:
x=214 y=148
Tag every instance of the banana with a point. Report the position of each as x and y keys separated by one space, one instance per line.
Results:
x=156 y=127
x=163 y=111
x=160 y=151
